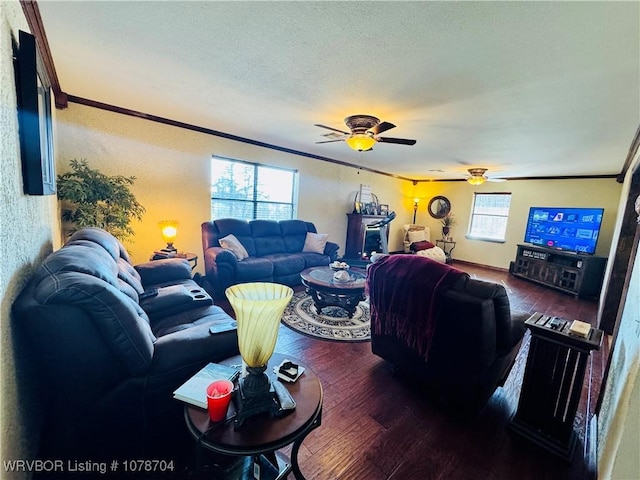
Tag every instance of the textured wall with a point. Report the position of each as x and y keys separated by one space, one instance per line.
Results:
x=619 y=420
x=619 y=415
x=29 y=229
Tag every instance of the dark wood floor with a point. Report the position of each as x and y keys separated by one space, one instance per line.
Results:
x=376 y=427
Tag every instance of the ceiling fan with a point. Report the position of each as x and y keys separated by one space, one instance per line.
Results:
x=477 y=176
x=364 y=133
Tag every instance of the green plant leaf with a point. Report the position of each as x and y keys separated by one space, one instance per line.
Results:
x=92 y=199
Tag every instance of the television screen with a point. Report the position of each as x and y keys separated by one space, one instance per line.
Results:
x=570 y=229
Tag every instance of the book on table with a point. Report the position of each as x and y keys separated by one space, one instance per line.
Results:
x=194 y=390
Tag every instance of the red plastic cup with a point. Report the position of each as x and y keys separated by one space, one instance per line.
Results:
x=218 y=398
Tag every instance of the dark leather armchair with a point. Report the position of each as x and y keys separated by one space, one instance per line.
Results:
x=448 y=332
x=107 y=360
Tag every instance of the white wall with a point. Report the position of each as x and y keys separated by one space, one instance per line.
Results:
x=29 y=230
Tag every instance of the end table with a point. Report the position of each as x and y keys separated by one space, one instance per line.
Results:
x=192 y=258
x=552 y=383
x=447 y=247
x=261 y=436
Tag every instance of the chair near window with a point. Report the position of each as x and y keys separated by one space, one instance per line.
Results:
x=418 y=233
x=417 y=239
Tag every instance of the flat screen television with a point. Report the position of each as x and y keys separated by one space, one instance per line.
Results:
x=568 y=229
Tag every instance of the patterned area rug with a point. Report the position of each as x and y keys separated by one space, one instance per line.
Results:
x=332 y=324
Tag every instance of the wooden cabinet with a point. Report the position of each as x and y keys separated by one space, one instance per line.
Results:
x=359 y=243
x=552 y=383
x=577 y=274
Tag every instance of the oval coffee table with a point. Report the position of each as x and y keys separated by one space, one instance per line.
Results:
x=327 y=291
x=260 y=436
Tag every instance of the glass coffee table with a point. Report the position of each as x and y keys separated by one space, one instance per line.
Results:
x=256 y=443
x=327 y=291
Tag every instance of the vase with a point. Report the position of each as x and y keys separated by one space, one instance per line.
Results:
x=258 y=307
x=445 y=232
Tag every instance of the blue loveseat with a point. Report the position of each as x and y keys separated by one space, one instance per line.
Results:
x=275 y=252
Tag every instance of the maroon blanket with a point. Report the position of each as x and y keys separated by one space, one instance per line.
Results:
x=404 y=292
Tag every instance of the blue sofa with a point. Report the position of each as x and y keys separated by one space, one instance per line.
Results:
x=274 y=248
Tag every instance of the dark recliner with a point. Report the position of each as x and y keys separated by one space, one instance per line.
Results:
x=108 y=361
x=455 y=335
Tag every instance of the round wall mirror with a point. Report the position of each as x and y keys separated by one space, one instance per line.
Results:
x=439 y=207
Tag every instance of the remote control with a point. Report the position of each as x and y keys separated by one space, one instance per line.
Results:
x=148 y=294
x=556 y=323
x=284 y=397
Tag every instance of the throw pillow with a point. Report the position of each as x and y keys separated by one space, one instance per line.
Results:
x=315 y=242
x=423 y=245
x=230 y=242
x=416 y=236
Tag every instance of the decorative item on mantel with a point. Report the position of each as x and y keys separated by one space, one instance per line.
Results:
x=365 y=201
x=447 y=221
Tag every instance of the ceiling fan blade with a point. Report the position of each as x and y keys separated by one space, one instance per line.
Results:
x=401 y=141
x=331 y=141
x=331 y=128
x=381 y=127
x=496 y=179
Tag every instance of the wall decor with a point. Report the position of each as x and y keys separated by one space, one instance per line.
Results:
x=365 y=201
x=439 y=207
x=34 y=120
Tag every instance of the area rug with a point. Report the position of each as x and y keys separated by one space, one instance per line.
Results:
x=332 y=324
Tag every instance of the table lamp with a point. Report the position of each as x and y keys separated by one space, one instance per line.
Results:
x=169 y=229
x=258 y=307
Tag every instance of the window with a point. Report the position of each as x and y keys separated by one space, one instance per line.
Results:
x=248 y=190
x=489 y=216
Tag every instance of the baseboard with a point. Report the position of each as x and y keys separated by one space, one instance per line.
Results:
x=488 y=267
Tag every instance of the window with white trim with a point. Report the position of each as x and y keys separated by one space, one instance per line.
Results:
x=248 y=190
x=489 y=216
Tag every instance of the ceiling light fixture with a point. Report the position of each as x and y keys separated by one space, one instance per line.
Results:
x=361 y=142
x=477 y=176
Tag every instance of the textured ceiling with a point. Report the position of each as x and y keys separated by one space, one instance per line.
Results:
x=521 y=88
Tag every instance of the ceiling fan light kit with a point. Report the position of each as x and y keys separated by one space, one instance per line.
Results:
x=364 y=133
x=477 y=176
x=361 y=142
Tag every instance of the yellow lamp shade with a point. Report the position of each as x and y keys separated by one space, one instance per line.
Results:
x=361 y=141
x=258 y=307
x=169 y=229
x=476 y=180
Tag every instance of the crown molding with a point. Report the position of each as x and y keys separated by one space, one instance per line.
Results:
x=32 y=14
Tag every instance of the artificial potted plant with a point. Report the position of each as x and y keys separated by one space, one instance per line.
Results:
x=447 y=221
x=92 y=199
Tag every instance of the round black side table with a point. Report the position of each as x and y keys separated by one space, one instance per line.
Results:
x=261 y=436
